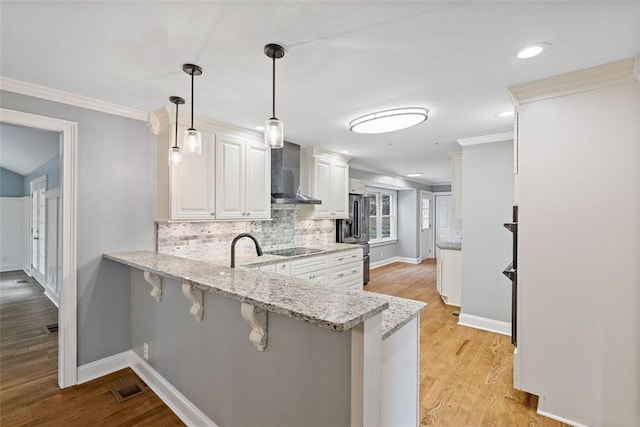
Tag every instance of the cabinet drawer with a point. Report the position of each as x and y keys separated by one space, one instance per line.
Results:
x=306 y=265
x=352 y=282
x=320 y=276
x=346 y=257
x=280 y=268
x=270 y=268
x=347 y=271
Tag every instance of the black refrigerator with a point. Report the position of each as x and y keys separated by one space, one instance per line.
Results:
x=355 y=230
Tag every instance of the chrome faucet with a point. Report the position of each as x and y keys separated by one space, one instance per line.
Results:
x=233 y=247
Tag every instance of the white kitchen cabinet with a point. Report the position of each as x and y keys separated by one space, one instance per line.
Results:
x=356 y=186
x=242 y=179
x=230 y=180
x=449 y=275
x=325 y=176
x=456 y=184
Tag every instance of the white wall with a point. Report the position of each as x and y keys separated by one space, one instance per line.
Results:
x=579 y=252
x=487 y=200
x=14 y=219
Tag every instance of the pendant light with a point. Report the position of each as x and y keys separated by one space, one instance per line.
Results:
x=175 y=156
x=274 y=128
x=192 y=141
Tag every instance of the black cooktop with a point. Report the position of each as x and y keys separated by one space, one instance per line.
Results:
x=293 y=251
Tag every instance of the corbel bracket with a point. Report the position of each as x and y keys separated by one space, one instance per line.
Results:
x=196 y=296
x=257 y=319
x=155 y=281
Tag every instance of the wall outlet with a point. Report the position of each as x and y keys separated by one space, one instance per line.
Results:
x=145 y=350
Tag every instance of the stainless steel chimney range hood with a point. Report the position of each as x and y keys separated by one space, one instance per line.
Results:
x=285 y=177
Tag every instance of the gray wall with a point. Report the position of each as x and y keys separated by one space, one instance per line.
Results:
x=11 y=183
x=116 y=199
x=440 y=188
x=487 y=200
x=303 y=378
x=51 y=170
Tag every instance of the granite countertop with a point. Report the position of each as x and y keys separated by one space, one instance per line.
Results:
x=455 y=246
x=251 y=261
x=328 y=306
x=399 y=313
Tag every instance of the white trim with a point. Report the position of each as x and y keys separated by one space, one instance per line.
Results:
x=392 y=260
x=378 y=243
x=485 y=139
x=176 y=401
x=180 y=405
x=541 y=411
x=484 y=323
x=624 y=71
x=67 y=315
x=56 y=95
x=102 y=367
x=52 y=297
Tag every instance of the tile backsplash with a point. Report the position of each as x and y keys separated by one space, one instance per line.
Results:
x=212 y=240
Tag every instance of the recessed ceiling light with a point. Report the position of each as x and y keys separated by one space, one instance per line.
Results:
x=505 y=114
x=533 y=50
x=389 y=120
x=260 y=128
x=345 y=151
x=414 y=175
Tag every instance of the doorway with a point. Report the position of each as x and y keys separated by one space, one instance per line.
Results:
x=67 y=313
x=427 y=249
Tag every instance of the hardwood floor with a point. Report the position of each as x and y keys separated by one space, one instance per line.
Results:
x=29 y=395
x=466 y=374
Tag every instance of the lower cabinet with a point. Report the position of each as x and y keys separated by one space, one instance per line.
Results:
x=343 y=268
x=449 y=275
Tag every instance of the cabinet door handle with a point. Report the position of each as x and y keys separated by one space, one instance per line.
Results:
x=354 y=271
x=341 y=274
x=340 y=259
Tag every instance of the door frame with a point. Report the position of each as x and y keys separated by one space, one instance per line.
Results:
x=432 y=246
x=67 y=313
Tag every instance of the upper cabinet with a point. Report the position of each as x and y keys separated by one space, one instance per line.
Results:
x=230 y=180
x=456 y=184
x=325 y=176
x=243 y=179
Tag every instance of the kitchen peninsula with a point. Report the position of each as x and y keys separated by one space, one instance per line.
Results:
x=249 y=347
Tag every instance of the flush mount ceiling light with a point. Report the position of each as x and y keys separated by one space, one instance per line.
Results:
x=504 y=114
x=274 y=128
x=533 y=50
x=389 y=120
x=414 y=175
x=192 y=141
x=175 y=156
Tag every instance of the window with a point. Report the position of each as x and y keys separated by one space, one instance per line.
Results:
x=426 y=208
x=382 y=214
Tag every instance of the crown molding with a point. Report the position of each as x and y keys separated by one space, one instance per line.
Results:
x=624 y=71
x=69 y=98
x=485 y=139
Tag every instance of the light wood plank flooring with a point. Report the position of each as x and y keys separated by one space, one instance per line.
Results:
x=466 y=374
x=29 y=395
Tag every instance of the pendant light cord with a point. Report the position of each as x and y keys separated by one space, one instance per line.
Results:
x=273 y=83
x=175 y=144
x=192 y=98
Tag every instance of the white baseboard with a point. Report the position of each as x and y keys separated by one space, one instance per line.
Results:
x=10 y=267
x=485 y=324
x=52 y=297
x=180 y=405
x=394 y=259
x=103 y=367
x=541 y=411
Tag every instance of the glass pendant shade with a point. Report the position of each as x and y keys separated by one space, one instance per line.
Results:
x=192 y=142
x=175 y=156
x=274 y=133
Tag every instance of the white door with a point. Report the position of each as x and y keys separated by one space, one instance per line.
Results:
x=444 y=219
x=322 y=183
x=426 y=225
x=38 y=229
x=230 y=177
x=258 y=181
x=340 y=184
x=52 y=289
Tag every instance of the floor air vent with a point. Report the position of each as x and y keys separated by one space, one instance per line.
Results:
x=50 y=329
x=455 y=313
x=19 y=281
x=125 y=388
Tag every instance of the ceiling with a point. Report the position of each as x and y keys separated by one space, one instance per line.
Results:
x=343 y=59
x=23 y=149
